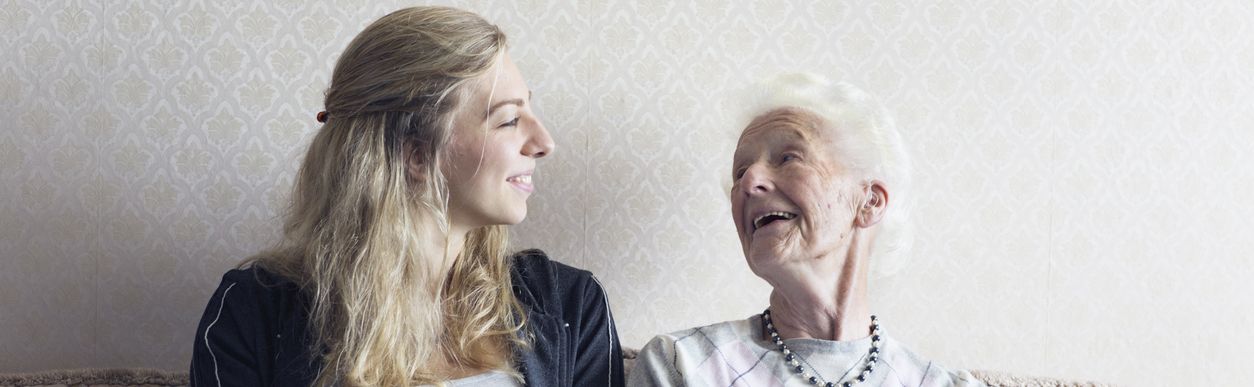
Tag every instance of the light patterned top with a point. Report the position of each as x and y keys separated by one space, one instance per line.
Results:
x=494 y=378
x=736 y=353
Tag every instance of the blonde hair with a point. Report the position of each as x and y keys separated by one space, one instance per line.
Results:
x=364 y=235
x=868 y=141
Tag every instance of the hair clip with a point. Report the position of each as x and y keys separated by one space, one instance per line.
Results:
x=322 y=116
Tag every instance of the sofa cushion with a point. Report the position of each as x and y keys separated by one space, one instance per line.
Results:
x=96 y=378
x=143 y=377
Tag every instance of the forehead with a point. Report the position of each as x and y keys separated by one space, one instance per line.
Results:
x=510 y=76
x=785 y=124
x=502 y=82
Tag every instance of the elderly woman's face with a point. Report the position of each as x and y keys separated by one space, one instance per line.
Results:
x=792 y=199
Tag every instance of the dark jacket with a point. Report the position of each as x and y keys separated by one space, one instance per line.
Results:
x=253 y=332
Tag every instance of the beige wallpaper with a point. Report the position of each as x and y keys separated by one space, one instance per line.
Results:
x=1082 y=166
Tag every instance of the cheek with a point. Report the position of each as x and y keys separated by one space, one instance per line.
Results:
x=737 y=205
x=837 y=216
x=827 y=207
x=498 y=152
x=463 y=156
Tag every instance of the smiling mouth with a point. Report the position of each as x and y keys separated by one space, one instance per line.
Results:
x=524 y=179
x=771 y=217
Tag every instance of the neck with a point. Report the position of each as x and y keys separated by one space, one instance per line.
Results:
x=826 y=300
x=452 y=247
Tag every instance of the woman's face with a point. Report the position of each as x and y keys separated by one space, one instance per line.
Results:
x=495 y=142
x=791 y=198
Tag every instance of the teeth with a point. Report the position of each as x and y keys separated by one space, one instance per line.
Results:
x=525 y=179
x=758 y=222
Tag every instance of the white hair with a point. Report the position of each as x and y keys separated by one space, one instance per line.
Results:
x=867 y=141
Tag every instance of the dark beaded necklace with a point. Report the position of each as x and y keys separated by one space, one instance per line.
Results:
x=872 y=356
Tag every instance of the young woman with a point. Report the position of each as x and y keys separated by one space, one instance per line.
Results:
x=393 y=270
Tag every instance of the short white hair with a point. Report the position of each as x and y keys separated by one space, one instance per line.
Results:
x=867 y=141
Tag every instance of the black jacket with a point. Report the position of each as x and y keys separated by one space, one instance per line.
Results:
x=253 y=332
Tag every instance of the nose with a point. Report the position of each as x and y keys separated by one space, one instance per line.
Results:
x=755 y=180
x=539 y=143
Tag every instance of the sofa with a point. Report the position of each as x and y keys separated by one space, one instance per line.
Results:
x=144 y=377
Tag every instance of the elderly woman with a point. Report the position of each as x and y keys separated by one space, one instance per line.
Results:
x=818 y=178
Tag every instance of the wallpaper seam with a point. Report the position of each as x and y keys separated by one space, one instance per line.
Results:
x=98 y=208
x=587 y=137
x=1049 y=231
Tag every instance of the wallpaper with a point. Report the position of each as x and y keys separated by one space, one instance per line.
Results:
x=1082 y=167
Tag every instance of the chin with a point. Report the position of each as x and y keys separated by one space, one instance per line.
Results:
x=515 y=218
x=761 y=267
x=757 y=257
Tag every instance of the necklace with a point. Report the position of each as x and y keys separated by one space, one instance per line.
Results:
x=791 y=358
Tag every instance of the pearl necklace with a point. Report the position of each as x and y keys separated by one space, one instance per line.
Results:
x=872 y=355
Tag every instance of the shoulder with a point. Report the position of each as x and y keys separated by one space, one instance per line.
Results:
x=548 y=285
x=569 y=317
x=717 y=333
x=697 y=341
x=914 y=370
x=701 y=355
x=535 y=268
x=253 y=329
x=258 y=282
x=253 y=294
x=253 y=275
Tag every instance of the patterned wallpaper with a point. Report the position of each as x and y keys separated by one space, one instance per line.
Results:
x=1082 y=167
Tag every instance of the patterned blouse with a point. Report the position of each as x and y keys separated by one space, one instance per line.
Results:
x=736 y=353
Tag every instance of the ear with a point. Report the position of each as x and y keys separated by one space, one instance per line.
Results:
x=874 y=204
x=415 y=169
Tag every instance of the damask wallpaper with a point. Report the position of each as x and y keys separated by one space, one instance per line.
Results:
x=1082 y=167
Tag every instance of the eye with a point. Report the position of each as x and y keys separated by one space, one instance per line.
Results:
x=510 y=123
x=739 y=171
x=787 y=157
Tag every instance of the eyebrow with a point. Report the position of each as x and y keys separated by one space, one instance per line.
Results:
x=793 y=133
x=515 y=101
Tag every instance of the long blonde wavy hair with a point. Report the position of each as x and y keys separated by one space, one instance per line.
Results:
x=365 y=236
